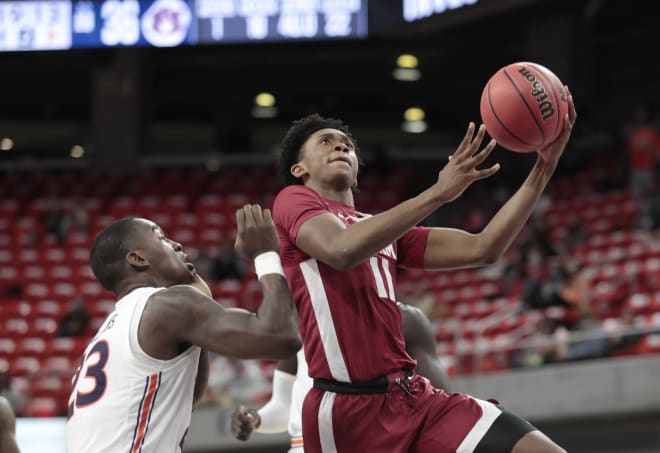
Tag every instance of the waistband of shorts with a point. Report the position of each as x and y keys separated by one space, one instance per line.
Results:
x=297 y=442
x=382 y=384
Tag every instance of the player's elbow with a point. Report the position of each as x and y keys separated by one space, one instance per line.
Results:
x=285 y=346
x=490 y=258
x=342 y=260
x=487 y=252
x=291 y=346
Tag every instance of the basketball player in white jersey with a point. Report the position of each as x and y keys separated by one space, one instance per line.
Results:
x=7 y=428
x=142 y=373
x=291 y=382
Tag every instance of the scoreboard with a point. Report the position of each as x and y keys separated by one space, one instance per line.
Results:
x=70 y=24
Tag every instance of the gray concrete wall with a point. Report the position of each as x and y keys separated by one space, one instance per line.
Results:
x=578 y=404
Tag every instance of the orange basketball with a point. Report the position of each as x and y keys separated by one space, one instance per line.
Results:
x=523 y=106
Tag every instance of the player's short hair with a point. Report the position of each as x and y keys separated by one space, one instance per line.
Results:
x=296 y=137
x=109 y=252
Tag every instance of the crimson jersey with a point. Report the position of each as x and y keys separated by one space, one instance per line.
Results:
x=349 y=321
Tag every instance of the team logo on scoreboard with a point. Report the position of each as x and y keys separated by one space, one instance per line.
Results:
x=166 y=23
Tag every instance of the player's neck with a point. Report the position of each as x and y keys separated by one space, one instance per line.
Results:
x=340 y=195
x=128 y=286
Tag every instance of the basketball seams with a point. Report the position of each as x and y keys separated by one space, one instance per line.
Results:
x=517 y=99
x=494 y=112
x=529 y=108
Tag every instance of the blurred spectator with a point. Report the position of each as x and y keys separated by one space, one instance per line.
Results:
x=642 y=142
x=75 y=219
x=13 y=290
x=76 y=320
x=533 y=297
x=568 y=286
x=649 y=216
x=537 y=244
x=576 y=234
x=591 y=341
x=624 y=334
x=233 y=382
x=227 y=265
x=204 y=264
x=52 y=220
x=16 y=400
x=542 y=347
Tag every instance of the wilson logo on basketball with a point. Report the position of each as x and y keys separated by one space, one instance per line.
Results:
x=538 y=91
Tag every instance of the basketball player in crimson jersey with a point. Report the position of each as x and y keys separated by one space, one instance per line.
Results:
x=291 y=383
x=147 y=366
x=7 y=427
x=340 y=264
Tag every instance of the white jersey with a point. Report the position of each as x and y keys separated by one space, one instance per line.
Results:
x=124 y=400
x=301 y=386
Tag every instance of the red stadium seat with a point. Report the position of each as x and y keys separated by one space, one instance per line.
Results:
x=25 y=366
x=8 y=348
x=15 y=327
x=60 y=365
x=44 y=327
x=31 y=346
x=43 y=407
x=49 y=308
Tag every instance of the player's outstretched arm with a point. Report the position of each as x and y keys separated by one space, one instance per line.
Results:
x=326 y=238
x=420 y=344
x=273 y=417
x=451 y=248
x=7 y=428
x=186 y=315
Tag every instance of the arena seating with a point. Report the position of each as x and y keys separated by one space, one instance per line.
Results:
x=40 y=273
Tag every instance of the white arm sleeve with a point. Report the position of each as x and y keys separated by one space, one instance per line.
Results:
x=275 y=413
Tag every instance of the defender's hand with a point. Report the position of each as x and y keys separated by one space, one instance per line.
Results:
x=255 y=232
x=243 y=422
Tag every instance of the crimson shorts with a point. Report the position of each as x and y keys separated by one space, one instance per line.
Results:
x=422 y=420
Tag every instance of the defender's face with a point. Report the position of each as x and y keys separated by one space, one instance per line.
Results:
x=166 y=257
x=329 y=156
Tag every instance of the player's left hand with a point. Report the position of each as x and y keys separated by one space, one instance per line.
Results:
x=243 y=422
x=552 y=152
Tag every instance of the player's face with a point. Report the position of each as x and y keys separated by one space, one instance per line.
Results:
x=329 y=157
x=166 y=257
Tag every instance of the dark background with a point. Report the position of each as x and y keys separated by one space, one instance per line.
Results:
x=191 y=100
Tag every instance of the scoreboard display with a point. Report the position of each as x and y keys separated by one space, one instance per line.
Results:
x=70 y=24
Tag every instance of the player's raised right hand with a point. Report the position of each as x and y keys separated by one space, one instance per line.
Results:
x=255 y=232
x=243 y=422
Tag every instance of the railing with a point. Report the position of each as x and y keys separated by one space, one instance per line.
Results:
x=523 y=348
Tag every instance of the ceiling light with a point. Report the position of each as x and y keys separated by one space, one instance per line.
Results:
x=6 y=144
x=77 y=151
x=407 y=61
x=414 y=127
x=264 y=100
x=406 y=75
x=414 y=114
